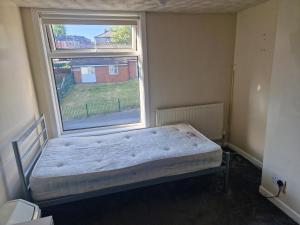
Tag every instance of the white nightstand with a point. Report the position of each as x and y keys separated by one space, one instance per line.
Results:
x=42 y=221
x=18 y=211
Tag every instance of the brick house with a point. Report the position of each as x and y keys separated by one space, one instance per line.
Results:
x=104 y=70
x=104 y=38
x=72 y=42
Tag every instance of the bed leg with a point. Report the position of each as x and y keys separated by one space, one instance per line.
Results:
x=226 y=171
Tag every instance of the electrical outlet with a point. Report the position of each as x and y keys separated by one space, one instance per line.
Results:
x=275 y=179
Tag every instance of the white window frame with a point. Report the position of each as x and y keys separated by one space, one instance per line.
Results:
x=39 y=15
x=80 y=18
x=113 y=70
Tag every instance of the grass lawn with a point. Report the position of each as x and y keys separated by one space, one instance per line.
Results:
x=92 y=99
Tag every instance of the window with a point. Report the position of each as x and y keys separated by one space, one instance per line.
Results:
x=113 y=69
x=85 y=36
x=88 y=74
x=84 y=56
x=87 y=70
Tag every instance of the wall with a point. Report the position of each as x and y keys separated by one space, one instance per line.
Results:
x=40 y=73
x=282 y=149
x=190 y=59
x=132 y=69
x=102 y=74
x=17 y=96
x=255 y=37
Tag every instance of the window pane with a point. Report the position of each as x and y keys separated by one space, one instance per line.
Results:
x=70 y=36
x=90 y=97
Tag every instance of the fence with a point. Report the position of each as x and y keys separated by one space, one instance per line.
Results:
x=98 y=108
x=64 y=82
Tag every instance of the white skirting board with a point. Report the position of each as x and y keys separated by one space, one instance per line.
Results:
x=262 y=190
x=280 y=204
x=246 y=155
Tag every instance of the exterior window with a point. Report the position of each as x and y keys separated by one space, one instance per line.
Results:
x=85 y=59
x=88 y=74
x=81 y=36
x=113 y=70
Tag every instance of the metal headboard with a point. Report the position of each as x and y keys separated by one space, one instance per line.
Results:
x=36 y=144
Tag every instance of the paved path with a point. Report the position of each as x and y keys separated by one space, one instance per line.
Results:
x=130 y=116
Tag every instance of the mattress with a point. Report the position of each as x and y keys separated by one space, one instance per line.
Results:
x=74 y=165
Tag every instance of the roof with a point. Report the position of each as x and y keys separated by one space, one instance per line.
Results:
x=75 y=62
x=72 y=38
x=106 y=34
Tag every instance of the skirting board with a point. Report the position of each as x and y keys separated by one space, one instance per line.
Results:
x=276 y=201
x=246 y=155
x=281 y=205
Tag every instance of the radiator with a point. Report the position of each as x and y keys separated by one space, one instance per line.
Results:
x=208 y=119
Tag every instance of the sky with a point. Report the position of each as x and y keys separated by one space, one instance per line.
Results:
x=89 y=31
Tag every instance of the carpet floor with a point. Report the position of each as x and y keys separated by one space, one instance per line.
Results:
x=197 y=200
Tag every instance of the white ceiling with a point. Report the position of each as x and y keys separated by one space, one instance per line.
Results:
x=190 y=6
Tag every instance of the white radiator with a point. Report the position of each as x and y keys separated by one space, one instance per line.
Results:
x=208 y=119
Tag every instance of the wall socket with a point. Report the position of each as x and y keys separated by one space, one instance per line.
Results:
x=277 y=178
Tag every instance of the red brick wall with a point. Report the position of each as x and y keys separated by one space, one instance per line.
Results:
x=132 y=69
x=102 y=74
x=77 y=75
x=126 y=72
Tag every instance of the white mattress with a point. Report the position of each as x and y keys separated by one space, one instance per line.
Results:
x=75 y=165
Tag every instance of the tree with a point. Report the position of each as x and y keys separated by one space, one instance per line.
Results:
x=121 y=34
x=58 y=29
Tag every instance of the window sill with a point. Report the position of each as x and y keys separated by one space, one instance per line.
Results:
x=103 y=130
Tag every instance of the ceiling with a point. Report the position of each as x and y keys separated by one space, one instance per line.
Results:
x=187 y=6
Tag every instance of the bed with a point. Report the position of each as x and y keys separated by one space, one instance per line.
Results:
x=67 y=169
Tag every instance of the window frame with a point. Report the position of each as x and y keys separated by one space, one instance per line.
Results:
x=113 y=70
x=140 y=52
x=53 y=49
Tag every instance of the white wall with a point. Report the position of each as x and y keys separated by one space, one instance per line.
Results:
x=39 y=72
x=255 y=38
x=282 y=149
x=265 y=120
x=18 y=106
x=190 y=59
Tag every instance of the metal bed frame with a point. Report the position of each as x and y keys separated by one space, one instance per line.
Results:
x=39 y=142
